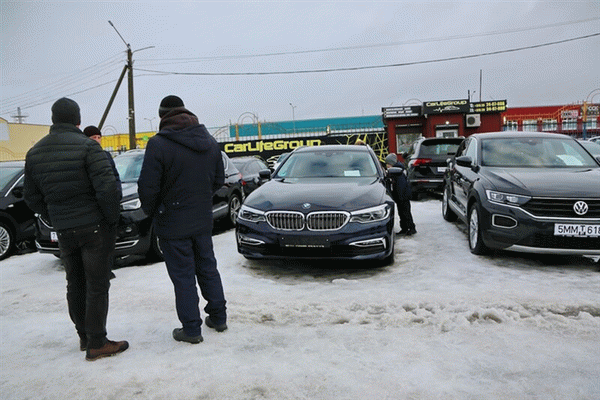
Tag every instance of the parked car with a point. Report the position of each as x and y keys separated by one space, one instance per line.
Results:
x=17 y=221
x=324 y=202
x=249 y=167
x=525 y=191
x=595 y=139
x=135 y=234
x=427 y=161
x=592 y=147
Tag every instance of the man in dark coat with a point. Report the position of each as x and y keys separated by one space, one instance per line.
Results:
x=70 y=182
x=401 y=193
x=182 y=169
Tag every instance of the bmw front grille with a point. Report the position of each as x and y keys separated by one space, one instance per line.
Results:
x=315 y=221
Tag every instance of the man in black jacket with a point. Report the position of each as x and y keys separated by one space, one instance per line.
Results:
x=70 y=182
x=401 y=193
x=182 y=169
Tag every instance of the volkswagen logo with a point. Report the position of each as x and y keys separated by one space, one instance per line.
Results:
x=306 y=206
x=580 y=208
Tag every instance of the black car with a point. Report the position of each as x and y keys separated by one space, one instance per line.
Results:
x=427 y=161
x=525 y=191
x=249 y=167
x=135 y=234
x=324 y=202
x=17 y=221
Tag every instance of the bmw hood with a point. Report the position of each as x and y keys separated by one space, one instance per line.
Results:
x=547 y=182
x=318 y=194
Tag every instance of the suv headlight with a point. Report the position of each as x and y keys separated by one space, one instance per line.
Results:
x=506 y=198
x=372 y=214
x=129 y=205
x=251 y=214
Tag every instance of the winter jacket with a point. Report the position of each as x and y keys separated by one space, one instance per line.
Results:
x=399 y=185
x=70 y=181
x=182 y=169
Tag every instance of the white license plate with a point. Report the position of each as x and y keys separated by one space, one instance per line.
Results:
x=53 y=237
x=577 y=230
x=441 y=169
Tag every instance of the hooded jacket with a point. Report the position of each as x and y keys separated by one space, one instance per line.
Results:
x=182 y=169
x=400 y=186
x=69 y=180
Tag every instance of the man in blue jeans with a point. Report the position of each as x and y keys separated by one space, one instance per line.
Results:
x=70 y=182
x=182 y=169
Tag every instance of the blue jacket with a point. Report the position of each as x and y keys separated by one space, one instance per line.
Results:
x=182 y=169
x=400 y=186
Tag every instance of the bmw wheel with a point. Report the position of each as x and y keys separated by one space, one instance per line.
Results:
x=7 y=241
x=474 y=230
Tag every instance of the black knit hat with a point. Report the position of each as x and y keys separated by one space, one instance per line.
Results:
x=91 y=131
x=65 y=111
x=169 y=103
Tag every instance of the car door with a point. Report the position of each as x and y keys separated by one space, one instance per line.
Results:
x=463 y=175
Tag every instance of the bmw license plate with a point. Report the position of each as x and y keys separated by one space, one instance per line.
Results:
x=441 y=169
x=308 y=242
x=53 y=237
x=577 y=230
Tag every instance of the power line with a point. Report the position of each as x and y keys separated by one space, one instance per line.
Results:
x=368 y=46
x=370 y=66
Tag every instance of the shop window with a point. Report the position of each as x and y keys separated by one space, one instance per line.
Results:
x=530 y=125
x=550 y=125
x=569 y=124
x=593 y=124
x=511 y=126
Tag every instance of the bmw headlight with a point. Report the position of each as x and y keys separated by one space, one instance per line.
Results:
x=251 y=214
x=506 y=198
x=129 y=205
x=372 y=214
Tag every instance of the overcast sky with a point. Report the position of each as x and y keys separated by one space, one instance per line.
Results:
x=256 y=57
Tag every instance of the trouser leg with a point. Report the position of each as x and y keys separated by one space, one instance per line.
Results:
x=97 y=255
x=179 y=257
x=76 y=286
x=406 y=220
x=209 y=278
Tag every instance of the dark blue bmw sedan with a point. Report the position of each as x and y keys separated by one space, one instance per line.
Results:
x=324 y=202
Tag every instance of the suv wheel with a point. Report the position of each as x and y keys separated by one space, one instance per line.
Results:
x=447 y=213
x=7 y=241
x=235 y=203
x=474 y=231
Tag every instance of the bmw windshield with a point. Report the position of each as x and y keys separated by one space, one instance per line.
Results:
x=129 y=166
x=327 y=164
x=535 y=152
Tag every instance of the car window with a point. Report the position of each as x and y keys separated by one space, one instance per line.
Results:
x=471 y=150
x=431 y=149
x=534 y=152
x=335 y=164
x=7 y=174
x=129 y=167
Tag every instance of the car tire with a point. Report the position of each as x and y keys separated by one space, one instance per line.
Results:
x=476 y=244
x=7 y=241
x=235 y=203
x=447 y=213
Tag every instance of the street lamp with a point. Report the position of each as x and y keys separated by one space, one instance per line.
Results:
x=293 y=116
x=150 y=120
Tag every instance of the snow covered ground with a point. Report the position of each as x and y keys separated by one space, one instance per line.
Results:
x=440 y=323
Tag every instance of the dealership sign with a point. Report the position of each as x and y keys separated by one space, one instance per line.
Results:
x=446 y=107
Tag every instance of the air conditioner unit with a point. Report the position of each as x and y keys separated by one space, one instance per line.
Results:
x=473 y=120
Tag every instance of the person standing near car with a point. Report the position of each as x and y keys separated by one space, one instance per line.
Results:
x=182 y=170
x=70 y=182
x=95 y=134
x=401 y=193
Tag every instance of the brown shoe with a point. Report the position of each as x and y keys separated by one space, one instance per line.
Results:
x=110 y=348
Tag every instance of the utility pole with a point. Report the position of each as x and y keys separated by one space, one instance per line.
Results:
x=18 y=116
x=131 y=114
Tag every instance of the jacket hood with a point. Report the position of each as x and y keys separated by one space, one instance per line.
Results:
x=182 y=127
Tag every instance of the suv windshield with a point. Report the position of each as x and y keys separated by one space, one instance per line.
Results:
x=315 y=164
x=534 y=152
x=7 y=174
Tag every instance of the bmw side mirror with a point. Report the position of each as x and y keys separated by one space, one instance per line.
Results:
x=395 y=171
x=18 y=192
